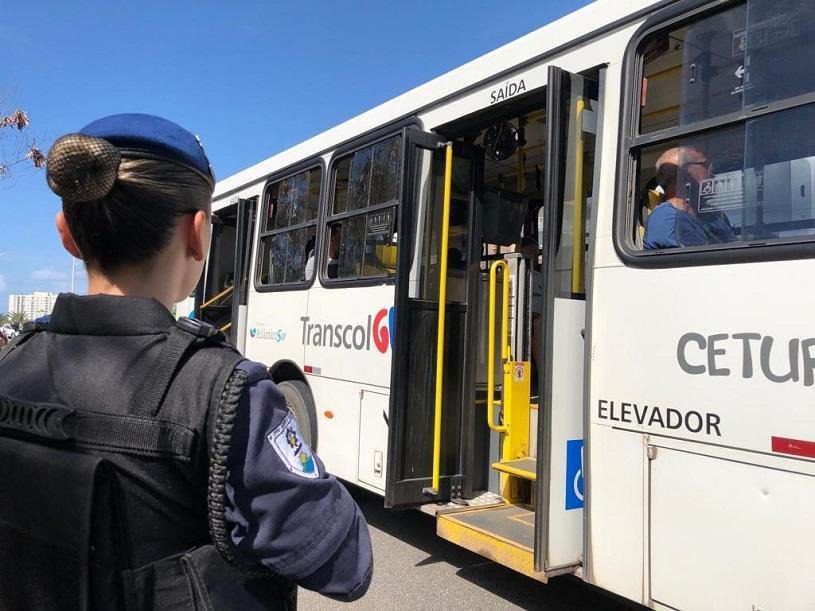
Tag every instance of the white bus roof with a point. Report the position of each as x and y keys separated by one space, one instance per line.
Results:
x=551 y=36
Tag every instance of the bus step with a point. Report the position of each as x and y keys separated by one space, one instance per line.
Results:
x=520 y=467
x=504 y=534
x=481 y=499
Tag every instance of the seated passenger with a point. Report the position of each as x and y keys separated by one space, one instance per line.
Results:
x=677 y=221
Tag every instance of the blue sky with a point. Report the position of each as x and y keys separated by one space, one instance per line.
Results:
x=250 y=77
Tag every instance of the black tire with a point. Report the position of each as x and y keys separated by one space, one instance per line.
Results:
x=301 y=403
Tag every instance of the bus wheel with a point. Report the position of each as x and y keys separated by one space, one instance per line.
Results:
x=301 y=403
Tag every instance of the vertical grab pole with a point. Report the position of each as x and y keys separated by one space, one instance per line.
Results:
x=445 y=229
x=491 y=341
x=578 y=244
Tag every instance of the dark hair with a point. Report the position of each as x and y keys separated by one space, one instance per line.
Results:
x=120 y=211
x=667 y=175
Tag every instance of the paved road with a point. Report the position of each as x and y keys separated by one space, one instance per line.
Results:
x=415 y=569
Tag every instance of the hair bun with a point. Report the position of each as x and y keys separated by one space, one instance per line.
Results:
x=82 y=168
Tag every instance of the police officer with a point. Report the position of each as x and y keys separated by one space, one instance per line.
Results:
x=210 y=496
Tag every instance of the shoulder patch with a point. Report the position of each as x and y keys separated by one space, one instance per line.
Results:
x=293 y=451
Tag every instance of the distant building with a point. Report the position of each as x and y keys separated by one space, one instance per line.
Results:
x=32 y=305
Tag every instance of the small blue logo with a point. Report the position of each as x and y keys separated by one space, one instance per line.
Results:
x=574 y=474
x=263 y=333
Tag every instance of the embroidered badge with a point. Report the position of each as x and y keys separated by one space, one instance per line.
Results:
x=292 y=450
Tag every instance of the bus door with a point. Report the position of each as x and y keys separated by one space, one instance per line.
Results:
x=572 y=107
x=536 y=528
x=430 y=446
x=247 y=215
x=222 y=296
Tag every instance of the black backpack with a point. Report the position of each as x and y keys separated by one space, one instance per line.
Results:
x=61 y=544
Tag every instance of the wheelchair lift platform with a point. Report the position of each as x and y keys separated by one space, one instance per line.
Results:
x=503 y=533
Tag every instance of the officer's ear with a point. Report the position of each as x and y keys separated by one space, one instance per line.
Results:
x=66 y=236
x=198 y=235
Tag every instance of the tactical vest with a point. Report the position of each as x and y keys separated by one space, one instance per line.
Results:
x=113 y=455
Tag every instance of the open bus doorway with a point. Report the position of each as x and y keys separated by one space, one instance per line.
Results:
x=513 y=141
x=512 y=373
x=221 y=296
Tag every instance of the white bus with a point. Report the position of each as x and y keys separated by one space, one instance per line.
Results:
x=634 y=409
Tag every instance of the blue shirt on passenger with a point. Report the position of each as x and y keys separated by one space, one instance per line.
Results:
x=284 y=509
x=669 y=227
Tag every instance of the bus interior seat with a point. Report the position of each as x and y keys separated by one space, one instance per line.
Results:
x=652 y=195
x=387 y=256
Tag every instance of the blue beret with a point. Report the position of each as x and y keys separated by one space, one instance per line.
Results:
x=140 y=136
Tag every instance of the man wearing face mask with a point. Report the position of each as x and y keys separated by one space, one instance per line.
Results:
x=677 y=221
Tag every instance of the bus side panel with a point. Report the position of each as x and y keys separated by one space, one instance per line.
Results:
x=616 y=502
x=740 y=534
x=336 y=434
x=565 y=541
x=274 y=327
x=348 y=333
x=711 y=358
x=718 y=355
x=373 y=438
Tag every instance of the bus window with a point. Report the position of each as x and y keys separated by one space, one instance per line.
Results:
x=362 y=227
x=288 y=234
x=737 y=178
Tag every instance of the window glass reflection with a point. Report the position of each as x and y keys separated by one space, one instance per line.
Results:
x=742 y=57
x=733 y=184
x=288 y=241
x=363 y=244
x=385 y=175
x=779 y=41
x=380 y=246
x=351 y=247
x=359 y=179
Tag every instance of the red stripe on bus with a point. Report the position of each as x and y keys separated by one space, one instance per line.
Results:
x=796 y=447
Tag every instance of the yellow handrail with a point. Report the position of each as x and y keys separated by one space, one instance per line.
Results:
x=578 y=227
x=226 y=327
x=218 y=296
x=445 y=229
x=505 y=351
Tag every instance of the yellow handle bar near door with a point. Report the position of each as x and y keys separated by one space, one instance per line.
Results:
x=219 y=296
x=579 y=224
x=505 y=350
x=445 y=230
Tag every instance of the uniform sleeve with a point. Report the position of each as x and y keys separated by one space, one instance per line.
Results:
x=283 y=509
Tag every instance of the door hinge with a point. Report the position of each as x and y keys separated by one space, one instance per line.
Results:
x=651 y=452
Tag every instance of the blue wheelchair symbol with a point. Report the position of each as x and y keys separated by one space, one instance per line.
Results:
x=574 y=474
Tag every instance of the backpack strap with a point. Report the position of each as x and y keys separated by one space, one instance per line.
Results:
x=150 y=393
x=138 y=432
x=112 y=432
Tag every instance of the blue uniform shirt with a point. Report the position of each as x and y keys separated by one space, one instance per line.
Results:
x=669 y=227
x=284 y=510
